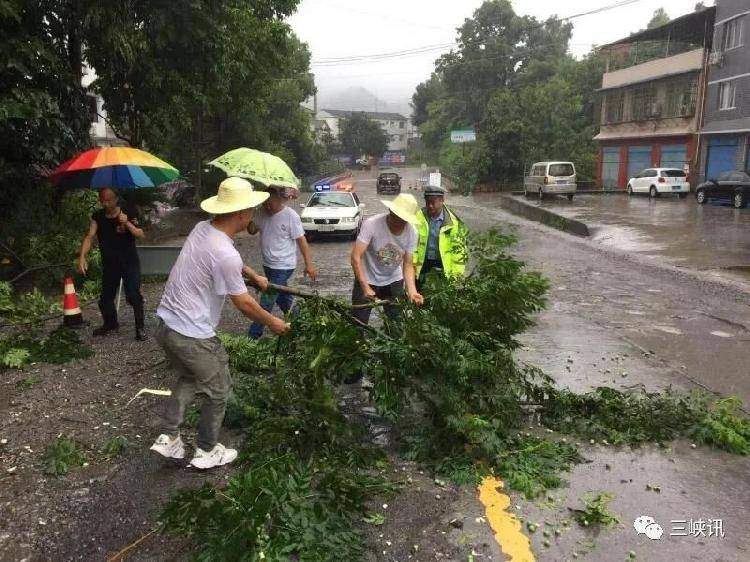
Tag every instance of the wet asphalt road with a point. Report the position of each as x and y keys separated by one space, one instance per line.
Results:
x=713 y=237
x=624 y=319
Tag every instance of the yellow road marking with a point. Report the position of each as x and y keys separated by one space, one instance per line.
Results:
x=505 y=526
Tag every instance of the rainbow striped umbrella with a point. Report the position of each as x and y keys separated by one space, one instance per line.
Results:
x=117 y=167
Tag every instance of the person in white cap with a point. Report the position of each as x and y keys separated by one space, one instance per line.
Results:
x=207 y=270
x=443 y=239
x=382 y=257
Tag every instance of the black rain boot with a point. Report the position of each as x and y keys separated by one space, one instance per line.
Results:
x=140 y=322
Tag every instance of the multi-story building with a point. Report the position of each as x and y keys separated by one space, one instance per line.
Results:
x=651 y=99
x=725 y=135
x=101 y=132
x=394 y=124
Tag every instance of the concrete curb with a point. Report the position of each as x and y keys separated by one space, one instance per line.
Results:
x=588 y=192
x=544 y=216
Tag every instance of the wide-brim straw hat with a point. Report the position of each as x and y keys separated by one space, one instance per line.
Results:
x=235 y=194
x=405 y=207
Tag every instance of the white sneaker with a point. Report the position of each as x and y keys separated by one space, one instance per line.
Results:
x=217 y=456
x=170 y=448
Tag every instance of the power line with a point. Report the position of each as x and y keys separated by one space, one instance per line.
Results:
x=380 y=56
x=334 y=61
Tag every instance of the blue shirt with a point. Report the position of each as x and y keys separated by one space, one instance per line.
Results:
x=433 y=248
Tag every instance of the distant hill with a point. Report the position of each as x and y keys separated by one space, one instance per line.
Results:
x=359 y=99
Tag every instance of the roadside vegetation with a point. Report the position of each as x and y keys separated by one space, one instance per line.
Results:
x=513 y=80
x=457 y=400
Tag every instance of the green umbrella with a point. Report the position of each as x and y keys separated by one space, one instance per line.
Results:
x=257 y=166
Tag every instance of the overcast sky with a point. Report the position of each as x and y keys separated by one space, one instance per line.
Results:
x=344 y=28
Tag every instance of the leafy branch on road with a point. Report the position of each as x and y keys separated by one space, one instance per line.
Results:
x=446 y=379
x=59 y=346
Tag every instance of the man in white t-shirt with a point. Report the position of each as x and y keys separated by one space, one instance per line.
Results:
x=382 y=257
x=281 y=233
x=207 y=270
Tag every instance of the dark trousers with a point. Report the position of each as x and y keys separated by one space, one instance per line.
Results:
x=385 y=292
x=427 y=266
x=131 y=280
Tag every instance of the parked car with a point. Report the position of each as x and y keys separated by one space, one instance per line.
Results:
x=389 y=182
x=362 y=163
x=547 y=178
x=656 y=181
x=334 y=213
x=729 y=185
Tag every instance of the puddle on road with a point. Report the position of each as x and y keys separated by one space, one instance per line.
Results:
x=720 y=334
x=626 y=238
x=669 y=330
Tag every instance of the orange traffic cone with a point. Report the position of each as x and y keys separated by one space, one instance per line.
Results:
x=72 y=317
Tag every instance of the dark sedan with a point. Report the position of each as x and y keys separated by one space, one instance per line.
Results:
x=389 y=182
x=734 y=186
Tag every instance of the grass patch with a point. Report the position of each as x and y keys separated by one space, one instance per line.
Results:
x=61 y=455
x=28 y=382
x=59 y=346
x=114 y=447
x=595 y=512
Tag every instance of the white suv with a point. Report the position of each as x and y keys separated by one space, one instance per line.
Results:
x=656 y=181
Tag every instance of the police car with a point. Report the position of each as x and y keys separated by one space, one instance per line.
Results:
x=332 y=212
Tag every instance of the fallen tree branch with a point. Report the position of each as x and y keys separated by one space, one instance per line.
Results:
x=37 y=268
x=314 y=294
x=120 y=555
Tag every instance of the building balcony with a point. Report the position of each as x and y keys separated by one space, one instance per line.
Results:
x=655 y=69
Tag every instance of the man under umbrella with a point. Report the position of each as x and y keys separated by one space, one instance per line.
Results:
x=442 y=246
x=116 y=228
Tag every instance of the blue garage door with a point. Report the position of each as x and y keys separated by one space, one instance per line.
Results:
x=639 y=158
x=722 y=155
x=610 y=167
x=673 y=156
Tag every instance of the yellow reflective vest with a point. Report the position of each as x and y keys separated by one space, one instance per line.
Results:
x=452 y=243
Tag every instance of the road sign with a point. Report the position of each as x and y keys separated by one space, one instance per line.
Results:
x=435 y=179
x=463 y=135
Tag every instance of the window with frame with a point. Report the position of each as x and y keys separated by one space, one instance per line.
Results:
x=681 y=96
x=614 y=107
x=727 y=94
x=91 y=106
x=643 y=102
x=732 y=34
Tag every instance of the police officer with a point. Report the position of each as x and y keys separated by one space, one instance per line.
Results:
x=442 y=245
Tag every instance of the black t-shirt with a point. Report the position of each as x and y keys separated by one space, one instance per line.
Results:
x=116 y=242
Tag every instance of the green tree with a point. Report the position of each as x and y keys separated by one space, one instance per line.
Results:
x=495 y=48
x=360 y=135
x=659 y=18
x=426 y=93
x=43 y=111
x=194 y=80
x=501 y=58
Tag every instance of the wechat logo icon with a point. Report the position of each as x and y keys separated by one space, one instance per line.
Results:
x=645 y=525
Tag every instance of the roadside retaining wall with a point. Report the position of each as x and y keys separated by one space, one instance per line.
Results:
x=544 y=216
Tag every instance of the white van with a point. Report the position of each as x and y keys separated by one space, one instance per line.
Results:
x=558 y=178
